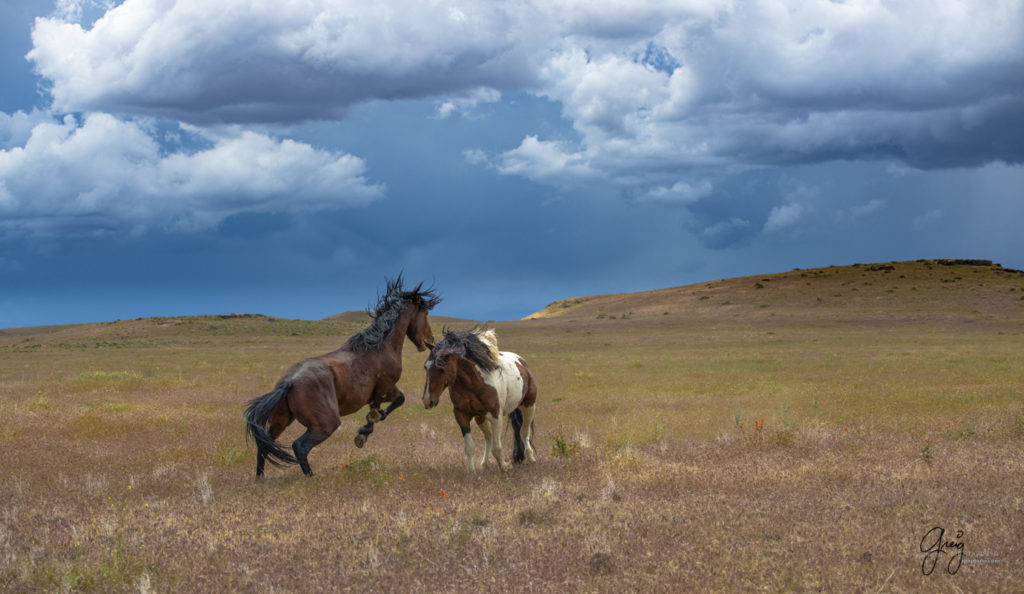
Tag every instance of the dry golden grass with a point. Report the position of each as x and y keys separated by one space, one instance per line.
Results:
x=715 y=447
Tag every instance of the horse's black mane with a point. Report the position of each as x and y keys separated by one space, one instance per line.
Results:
x=467 y=344
x=388 y=310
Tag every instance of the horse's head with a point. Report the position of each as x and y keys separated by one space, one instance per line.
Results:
x=419 y=331
x=420 y=301
x=442 y=366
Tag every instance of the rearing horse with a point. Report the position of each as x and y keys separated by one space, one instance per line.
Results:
x=317 y=392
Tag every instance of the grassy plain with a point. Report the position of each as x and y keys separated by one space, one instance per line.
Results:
x=786 y=432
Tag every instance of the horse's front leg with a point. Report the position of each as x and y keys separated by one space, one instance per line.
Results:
x=491 y=426
x=496 y=428
x=485 y=426
x=376 y=415
x=464 y=425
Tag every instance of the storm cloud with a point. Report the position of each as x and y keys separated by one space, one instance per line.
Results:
x=649 y=87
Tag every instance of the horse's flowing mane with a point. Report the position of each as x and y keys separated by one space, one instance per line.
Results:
x=388 y=310
x=489 y=338
x=478 y=345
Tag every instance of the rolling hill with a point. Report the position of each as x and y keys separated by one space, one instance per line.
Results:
x=921 y=289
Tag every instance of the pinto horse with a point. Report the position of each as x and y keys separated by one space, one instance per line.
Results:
x=485 y=384
x=317 y=392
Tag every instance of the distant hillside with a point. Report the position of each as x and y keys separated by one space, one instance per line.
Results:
x=358 y=316
x=926 y=290
x=362 y=318
x=922 y=288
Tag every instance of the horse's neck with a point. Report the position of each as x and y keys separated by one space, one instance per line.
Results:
x=396 y=339
x=469 y=375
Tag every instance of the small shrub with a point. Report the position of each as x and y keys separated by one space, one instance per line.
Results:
x=564 y=447
x=229 y=452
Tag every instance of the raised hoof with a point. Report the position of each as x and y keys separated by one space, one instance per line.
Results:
x=374 y=416
x=360 y=440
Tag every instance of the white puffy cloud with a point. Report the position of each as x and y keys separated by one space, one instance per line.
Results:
x=547 y=161
x=269 y=60
x=16 y=128
x=782 y=217
x=678 y=193
x=104 y=174
x=465 y=102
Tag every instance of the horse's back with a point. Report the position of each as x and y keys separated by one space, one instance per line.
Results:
x=513 y=382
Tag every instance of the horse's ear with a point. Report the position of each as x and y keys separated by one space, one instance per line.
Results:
x=427 y=298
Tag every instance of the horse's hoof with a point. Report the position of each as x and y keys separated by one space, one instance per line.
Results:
x=374 y=416
x=360 y=440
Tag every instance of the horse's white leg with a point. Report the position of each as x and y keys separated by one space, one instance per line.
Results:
x=527 y=432
x=469 y=449
x=485 y=426
x=496 y=428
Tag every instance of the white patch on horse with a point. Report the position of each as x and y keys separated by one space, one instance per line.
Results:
x=507 y=381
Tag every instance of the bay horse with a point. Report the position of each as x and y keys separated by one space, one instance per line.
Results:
x=485 y=385
x=318 y=391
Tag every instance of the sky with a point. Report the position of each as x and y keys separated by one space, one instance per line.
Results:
x=285 y=157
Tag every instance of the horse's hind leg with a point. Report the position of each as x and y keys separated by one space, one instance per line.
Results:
x=308 y=441
x=527 y=429
x=279 y=421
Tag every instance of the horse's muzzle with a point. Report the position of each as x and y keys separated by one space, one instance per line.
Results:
x=429 y=402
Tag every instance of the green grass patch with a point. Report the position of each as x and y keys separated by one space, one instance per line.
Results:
x=107 y=381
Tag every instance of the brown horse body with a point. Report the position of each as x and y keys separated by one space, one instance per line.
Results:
x=318 y=391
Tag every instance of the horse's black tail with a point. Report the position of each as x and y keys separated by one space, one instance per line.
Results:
x=519 y=449
x=257 y=414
